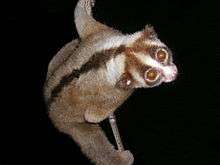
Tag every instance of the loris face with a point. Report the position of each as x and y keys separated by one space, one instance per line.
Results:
x=149 y=62
x=157 y=65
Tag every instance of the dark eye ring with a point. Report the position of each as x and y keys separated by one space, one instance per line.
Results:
x=161 y=55
x=151 y=75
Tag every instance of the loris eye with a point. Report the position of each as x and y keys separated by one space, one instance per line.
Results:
x=161 y=55
x=151 y=74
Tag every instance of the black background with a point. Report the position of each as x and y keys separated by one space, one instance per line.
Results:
x=176 y=123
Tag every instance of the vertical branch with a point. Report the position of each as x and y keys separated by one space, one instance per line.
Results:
x=114 y=127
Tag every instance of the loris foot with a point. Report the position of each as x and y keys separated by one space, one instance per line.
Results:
x=96 y=115
x=126 y=158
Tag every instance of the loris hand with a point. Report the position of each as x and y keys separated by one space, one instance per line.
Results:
x=96 y=115
x=126 y=158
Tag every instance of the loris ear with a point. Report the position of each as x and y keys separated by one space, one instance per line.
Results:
x=149 y=32
x=125 y=82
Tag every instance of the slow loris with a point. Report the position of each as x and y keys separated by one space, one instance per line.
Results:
x=90 y=77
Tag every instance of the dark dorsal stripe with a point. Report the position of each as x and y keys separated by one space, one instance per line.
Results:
x=95 y=62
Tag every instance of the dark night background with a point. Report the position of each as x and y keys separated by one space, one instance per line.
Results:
x=176 y=123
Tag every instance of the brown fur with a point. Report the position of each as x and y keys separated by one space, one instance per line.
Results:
x=77 y=91
x=98 y=59
x=62 y=56
x=83 y=97
x=68 y=114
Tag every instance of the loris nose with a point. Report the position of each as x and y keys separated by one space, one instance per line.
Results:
x=170 y=73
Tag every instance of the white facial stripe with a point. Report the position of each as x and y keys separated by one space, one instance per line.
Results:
x=116 y=41
x=138 y=78
x=148 y=60
x=115 y=68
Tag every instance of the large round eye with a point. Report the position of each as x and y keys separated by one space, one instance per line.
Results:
x=151 y=74
x=161 y=55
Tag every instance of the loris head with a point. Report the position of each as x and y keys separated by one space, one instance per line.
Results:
x=148 y=62
x=132 y=61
